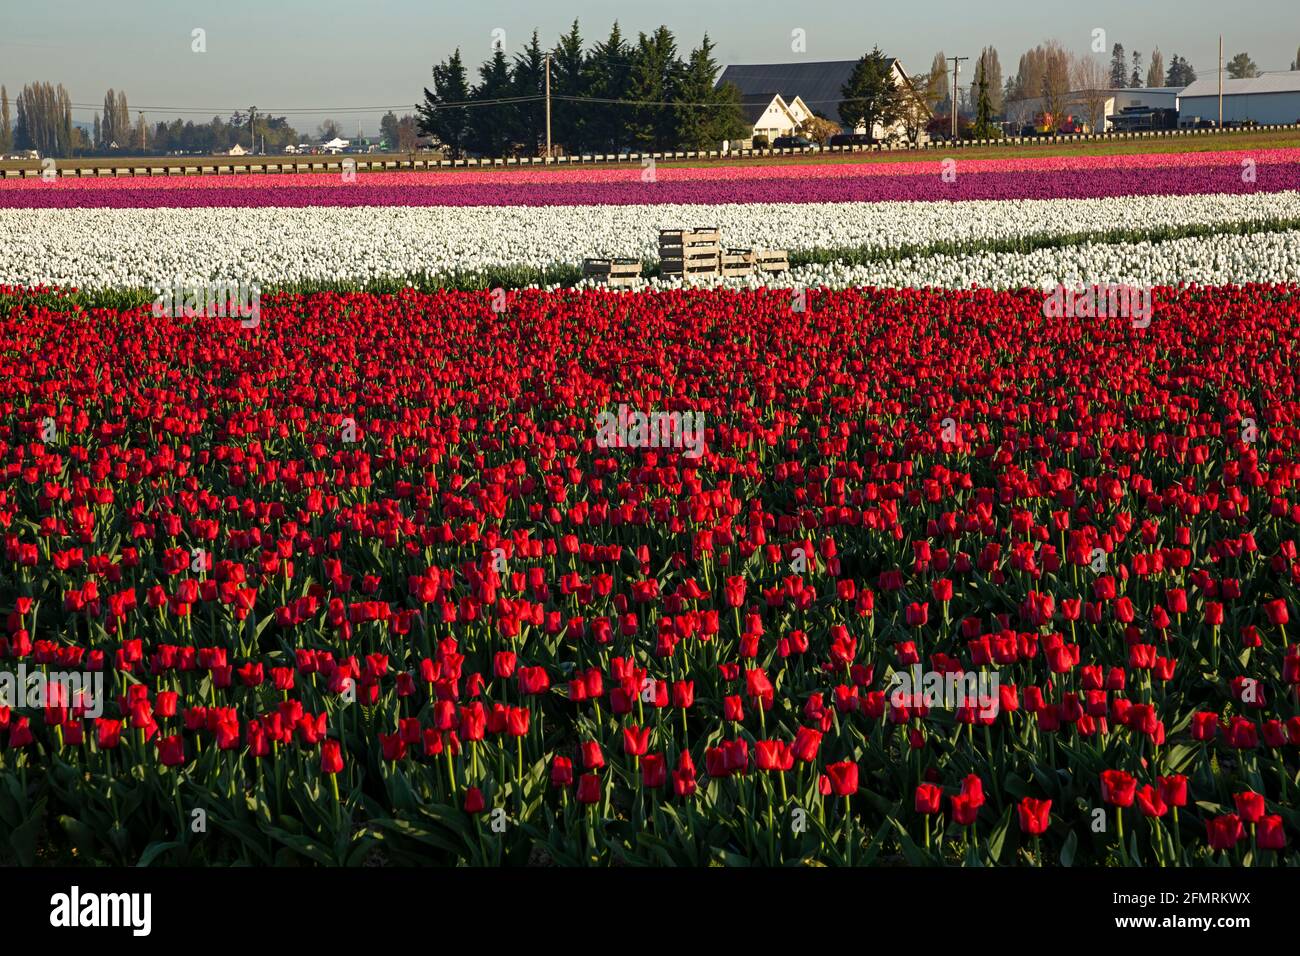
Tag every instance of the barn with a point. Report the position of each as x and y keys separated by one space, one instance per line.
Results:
x=1270 y=99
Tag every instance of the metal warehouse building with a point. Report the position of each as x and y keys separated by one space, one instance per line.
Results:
x=1269 y=99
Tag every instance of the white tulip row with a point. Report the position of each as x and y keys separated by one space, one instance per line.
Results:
x=96 y=248
x=1204 y=260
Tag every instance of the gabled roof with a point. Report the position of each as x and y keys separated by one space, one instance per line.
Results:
x=754 y=105
x=818 y=84
x=1286 y=81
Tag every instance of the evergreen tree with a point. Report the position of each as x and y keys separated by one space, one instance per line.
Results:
x=694 y=117
x=1180 y=72
x=1242 y=67
x=1117 y=66
x=984 y=128
x=494 y=125
x=568 y=78
x=388 y=130
x=528 y=79
x=608 y=72
x=870 y=97
x=706 y=114
x=441 y=115
x=1135 y=80
x=989 y=69
x=656 y=73
x=729 y=121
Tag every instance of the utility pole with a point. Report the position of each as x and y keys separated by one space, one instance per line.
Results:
x=252 y=129
x=956 y=68
x=548 y=106
x=1220 y=81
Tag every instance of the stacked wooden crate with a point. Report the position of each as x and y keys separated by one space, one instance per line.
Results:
x=690 y=253
x=771 y=260
x=613 y=272
x=737 y=262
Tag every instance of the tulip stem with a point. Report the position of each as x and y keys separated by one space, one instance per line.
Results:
x=848 y=830
x=1123 y=852
x=519 y=743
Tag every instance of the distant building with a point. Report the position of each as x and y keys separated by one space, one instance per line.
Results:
x=774 y=94
x=1079 y=104
x=1142 y=108
x=236 y=150
x=768 y=114
x=336 y=145
x=1273 y=98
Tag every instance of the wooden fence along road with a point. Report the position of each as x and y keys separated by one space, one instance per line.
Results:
x=377 y=162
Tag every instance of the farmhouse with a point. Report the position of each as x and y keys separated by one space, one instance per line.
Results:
x=768 y=114
x=779 y=96
x=1268 y=99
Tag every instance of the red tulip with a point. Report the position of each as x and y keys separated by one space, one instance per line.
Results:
x=1034 y=815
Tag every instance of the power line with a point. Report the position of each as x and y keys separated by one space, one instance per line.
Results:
x=208 y=111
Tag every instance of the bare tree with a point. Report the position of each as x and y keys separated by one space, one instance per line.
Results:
x=1056 y=82
x=925 y=88
x=6 y=128
x=938 y=81
x=1089 y=78
x=1029 y=74
x=1156 y=71
x=122 y=119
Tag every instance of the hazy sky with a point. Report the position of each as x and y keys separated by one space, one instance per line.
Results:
x=353 y=59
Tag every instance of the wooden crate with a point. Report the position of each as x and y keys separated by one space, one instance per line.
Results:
x=690 y=267
x=613 y=272
x=705 y=235
x=771 y=260
x=690 y=252
x=737 y=262
x=699 y=254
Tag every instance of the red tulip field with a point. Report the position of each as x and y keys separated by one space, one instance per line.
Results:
x=667 y=577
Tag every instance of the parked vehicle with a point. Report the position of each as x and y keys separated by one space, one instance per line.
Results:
x=851 y=139
x=791 y=142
